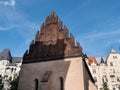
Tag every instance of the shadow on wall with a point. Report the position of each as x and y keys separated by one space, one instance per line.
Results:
x=44 y=75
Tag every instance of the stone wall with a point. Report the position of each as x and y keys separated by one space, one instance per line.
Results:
x=71 y=70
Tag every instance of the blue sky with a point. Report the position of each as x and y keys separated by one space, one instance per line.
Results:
x=94 y=23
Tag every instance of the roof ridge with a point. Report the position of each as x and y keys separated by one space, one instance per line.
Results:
x=113 y=51
x=6 y=54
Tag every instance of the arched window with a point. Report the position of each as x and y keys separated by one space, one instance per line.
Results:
x=36 y=84
x=7 y=70
x=61 y=83
x=12 y=70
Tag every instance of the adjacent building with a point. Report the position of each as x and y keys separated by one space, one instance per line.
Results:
x=9 y=67
x=54 y=61
x=106 y=70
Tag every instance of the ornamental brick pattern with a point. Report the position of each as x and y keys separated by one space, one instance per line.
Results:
x=52 y=42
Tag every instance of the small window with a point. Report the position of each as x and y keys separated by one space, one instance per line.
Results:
x=7 y=70
x=103 y=79
x=113 y=87
x=118 y=79
x=112 y=78
x=111 y=63
x=95 y=79
x=113 y=70
x=94 y=71
x=12 y=69
x=114 y=57
x=10 y=78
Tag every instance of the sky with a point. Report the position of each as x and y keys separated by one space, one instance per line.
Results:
x=94 y=23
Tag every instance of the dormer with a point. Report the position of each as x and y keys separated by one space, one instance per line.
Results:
x=113 y=58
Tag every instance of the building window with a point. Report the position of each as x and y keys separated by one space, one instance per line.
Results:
x=112 y=78
x=7 y=70
x=95 y=79
x=114 y=57
x=113 y=87
x=111 y=63
x=113 y=70
x=10 y=78
x=103 y=79
x=36 y=84
x=118 y=79
x=94 y=71
x=118 y=87
x=6 y=77
x=61 y=83
x=12 y=70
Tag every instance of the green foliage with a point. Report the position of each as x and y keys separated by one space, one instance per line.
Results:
x=14 y=84
x=1 y=84
x=84 y=56
x=105 y=86
x=119 y=87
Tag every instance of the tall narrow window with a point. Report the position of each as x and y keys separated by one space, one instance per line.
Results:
x=111 y=63
x=61 y=83
x=114 y=57
x=36 y=84
x=103 y=79
x=94 y=71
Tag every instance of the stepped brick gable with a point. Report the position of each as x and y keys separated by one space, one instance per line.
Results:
x=54 y=61
x=51 y=42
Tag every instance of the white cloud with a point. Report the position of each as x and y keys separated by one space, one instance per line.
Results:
x=112 y=43
x=99 y=43
x=8 y=3
x=7 y=27
x=98 y=35
x=12 y=2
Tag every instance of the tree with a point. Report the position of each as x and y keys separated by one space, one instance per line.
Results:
x=14 y=84
x=84 y=56
x=1 y=83
x=105 y=86
x=119 y=87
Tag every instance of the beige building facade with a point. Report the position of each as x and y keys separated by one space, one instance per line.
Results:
x=67 y=74
x=9 y=68
x=106 y=70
